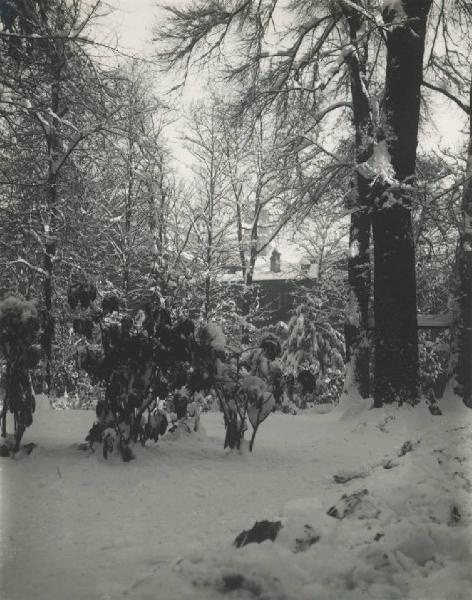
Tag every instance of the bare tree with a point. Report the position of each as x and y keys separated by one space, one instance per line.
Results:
x=208 y=210
x=55 y=89
x=131 y=182
x=260 y=182
x=299 y=73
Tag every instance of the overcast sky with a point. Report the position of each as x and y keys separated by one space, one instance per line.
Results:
x=133 y=21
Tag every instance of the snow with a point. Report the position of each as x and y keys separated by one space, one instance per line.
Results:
x=394 y=12
x=161 y=527
x=354 y=249
x=379 y=165
x=289 y=270
x=348 y=50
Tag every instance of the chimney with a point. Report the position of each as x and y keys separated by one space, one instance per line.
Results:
x=275 y=261
x=305 y=265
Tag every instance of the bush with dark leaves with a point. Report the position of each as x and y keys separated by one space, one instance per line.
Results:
x=82 y=292
x=141 y=360
x=19 y=327
x=136 y=361
x=110 y=304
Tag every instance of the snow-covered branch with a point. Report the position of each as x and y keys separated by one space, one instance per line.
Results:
x=25 y=263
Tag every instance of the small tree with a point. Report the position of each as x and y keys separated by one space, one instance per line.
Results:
x=247 y=385
x=19 y=326
x=313 y=350
x=264 y=362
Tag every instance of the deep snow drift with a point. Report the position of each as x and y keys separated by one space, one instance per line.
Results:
x=73 y=526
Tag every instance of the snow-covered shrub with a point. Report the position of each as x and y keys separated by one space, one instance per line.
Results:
x=433 y=362
x=259 y=400
x=212 y=335
x=82 y=292
x=264 y=362
x=312 y=357
x=237 y=312
x=247 y=384
x=137 y=359
x=142 y=357
x=330 y=386
x=208 y=355
x=19 y=326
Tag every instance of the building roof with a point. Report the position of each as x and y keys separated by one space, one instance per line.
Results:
x=288 y=271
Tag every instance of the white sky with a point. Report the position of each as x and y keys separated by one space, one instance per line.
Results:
x=130 y=25
x=133 y=22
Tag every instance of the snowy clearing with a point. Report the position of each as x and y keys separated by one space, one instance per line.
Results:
x=161 y=527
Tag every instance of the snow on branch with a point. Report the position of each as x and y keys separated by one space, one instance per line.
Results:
x=394 y=13
x=356 y=7
x=379 y=165
x=25 y=263
x=57 y=35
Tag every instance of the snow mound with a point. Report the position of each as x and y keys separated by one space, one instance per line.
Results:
x=42 y=404
x=451 y=403
x=352 y=406
x=405 y=534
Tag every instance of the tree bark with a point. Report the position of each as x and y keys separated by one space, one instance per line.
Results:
x=463 y=325
x=359 y=270
x=357 y=317
x=396 y=341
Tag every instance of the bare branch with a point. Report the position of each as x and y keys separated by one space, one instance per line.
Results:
x=448 y=94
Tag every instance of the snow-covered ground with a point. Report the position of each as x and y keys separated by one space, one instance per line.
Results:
x=73 y=526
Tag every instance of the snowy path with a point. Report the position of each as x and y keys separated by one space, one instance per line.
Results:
x=76 y=527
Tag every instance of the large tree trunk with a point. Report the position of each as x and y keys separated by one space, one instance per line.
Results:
x=463 y=325
x=396 y=344
x=357 y=317
x=396 y=341
x=359 y=271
